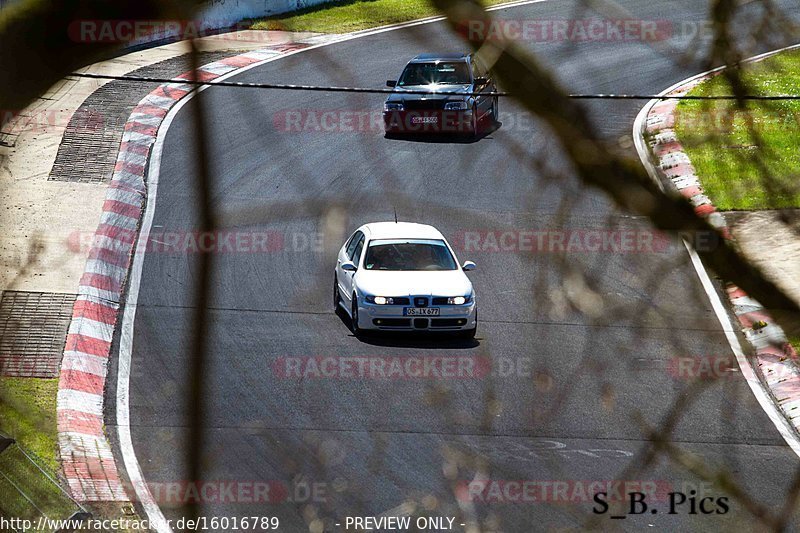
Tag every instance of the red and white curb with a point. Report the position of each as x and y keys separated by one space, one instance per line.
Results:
x=777 y=364
x=86 y=456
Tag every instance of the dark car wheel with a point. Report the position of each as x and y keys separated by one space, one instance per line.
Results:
x=336 y=297
x=354 y=317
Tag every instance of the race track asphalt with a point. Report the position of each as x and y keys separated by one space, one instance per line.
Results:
x=584 y=388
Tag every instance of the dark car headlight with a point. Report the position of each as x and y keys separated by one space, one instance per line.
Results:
x=393 y=106
x=456 y=106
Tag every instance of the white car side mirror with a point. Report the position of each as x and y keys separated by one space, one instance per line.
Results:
x=348 y=266
x=467 y=266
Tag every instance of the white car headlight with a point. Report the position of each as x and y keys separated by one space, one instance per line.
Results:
x=380 y=300
x=459 y=300
x=393 y=106
x=455 y=106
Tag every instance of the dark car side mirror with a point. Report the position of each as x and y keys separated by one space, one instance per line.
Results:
x=481 y=81
x=391 y=83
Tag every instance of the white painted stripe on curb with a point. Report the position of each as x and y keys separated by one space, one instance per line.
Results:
x=120 y=221
x=157 y=101
x=746 y=301
x=133 y=199
x=91 y=328
x=260 y=55
x=135 y=137
x=104 y=242
x=76 y=400
x=84 y=362
x=98 y=294
x=129 y=179
x=182 y=87
x=218 y=68
x=144 y=118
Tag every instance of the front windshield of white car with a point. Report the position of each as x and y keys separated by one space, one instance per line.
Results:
x=409 y=254
x=452 y=73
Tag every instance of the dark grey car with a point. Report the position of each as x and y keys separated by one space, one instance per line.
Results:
x=460 y=113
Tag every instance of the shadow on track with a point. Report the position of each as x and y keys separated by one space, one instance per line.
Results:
x=453 y=138
x=410 y=339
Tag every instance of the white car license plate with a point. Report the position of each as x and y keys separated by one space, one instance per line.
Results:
x=424 y=120
x=421 y=311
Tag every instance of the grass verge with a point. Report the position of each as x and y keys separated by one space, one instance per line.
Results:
x=28 y=414
x=747 y=159
x=28 y=469
x=352 y=15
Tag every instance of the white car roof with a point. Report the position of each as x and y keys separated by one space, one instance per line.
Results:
x=402 y=230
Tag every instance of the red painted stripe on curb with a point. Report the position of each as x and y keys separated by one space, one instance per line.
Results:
x=664 y=108
x=81 y=381
x=704 y=210
x=149 y=109
x=689 y=192
x=80 y=422
x=83 y=343
x=122 y=208
x=679 y=170
x=95 y=468
x=117 y=233
x=173 y=93
x=139 y=127
x=202 y=75
x=667 y=148
x=120 y=185
x=111 y=257
x=734 y=292
x=777 y=353
x=239 y=61
x=135 y=148
x=748 y=319
x=127 y=166
x=99 y=312
x=289 y=47
x=100 y=281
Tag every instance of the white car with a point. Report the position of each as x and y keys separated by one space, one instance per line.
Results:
x=403 y=276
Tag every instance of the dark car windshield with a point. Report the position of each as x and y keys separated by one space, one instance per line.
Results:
x=408 y=254
x=444 y=73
